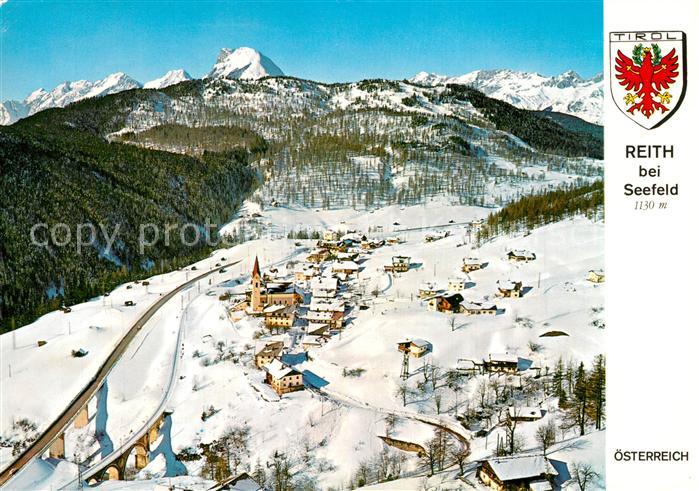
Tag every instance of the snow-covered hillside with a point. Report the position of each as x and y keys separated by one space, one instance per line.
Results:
x=323 y=435
x=567 y=93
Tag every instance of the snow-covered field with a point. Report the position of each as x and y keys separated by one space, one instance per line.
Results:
x=327 y=435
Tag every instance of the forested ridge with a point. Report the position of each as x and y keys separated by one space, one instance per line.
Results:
x=55 y=174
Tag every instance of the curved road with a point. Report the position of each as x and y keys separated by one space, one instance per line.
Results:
x=41 y=444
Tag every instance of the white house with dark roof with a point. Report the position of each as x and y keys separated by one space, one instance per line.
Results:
x=532 y=472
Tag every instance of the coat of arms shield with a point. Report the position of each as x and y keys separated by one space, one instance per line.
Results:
x=648 y=74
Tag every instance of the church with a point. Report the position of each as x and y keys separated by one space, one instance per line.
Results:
x=265 y=293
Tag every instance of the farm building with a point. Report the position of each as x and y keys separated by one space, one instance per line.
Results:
x=510 y=289
x=524 y=413
x=283 y=378
x=474 y=308
x=471 y=264
x=502 y=363
x=416 y=347
x=450 y=302
x=521 y=255
x=596 y=276
x=527 y=472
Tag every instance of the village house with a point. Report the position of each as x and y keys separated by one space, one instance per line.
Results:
x=330 y=235
x=510 y=289
x=318 y=255
x=332 y=320
x=394 y=240
x=368 y=244
x=279 y=316
x=415 y=347
x=474 y=308
x=596 y=276
x=526 y=472
x=283 y=378
x=327 y=305
x=521 y=255
x=347 y=268
x=268 y=353
x=449 y=302
x=434 y=236
x=306 y=272
x=347 y=256
x=501 y=363
x=399 y=264
x=524 y=413
x=324 y=287
x=456 y=284
x=471 y=264
x=427 y=289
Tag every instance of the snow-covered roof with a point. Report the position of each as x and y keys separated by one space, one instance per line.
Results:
x=522 y=253
x=525 y=412
x=507 y=284
x=503 y=357
x=598 y=272
x=421 y=343
x=345 y=265
x=327 y=304
x=478 y=306
x=279 y=370
x=271 y=309
x=313 y=340
x=324 y=282
x=521 y=467
x=472 y=260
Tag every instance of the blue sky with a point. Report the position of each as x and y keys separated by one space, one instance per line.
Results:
x=43 y=43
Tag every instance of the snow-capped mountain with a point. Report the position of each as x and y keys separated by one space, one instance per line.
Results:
x=567 y=93
x=170 y=78
x=243 y=63
x=64 y=94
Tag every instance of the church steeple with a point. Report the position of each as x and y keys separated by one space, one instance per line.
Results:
x=256 y=302
x=256 y=268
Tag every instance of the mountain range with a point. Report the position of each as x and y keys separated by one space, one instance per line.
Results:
x=565 y=93
x=242 y=63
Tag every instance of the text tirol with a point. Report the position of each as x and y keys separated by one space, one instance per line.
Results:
x=653 y=190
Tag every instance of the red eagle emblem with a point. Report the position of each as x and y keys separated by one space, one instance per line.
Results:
x=644 y=76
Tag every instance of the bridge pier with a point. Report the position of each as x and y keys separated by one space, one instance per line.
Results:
x=57 y=450
x=82 y=419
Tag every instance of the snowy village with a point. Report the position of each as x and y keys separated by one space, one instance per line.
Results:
x=298 y=282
